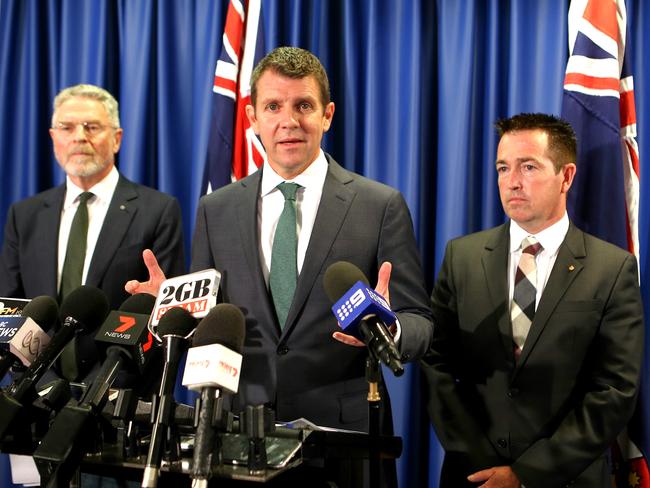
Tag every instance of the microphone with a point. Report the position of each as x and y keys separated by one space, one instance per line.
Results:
x=213 y=366
x=83 y=309
x=21 y=338
x=174 y=327
x=362 y=312
x=127 y=342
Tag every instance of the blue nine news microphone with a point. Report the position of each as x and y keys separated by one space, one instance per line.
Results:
x=362 y=312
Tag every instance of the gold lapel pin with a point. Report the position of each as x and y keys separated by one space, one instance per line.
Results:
x=571 y=267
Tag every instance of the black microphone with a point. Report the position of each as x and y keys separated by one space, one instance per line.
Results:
x=174 y=328
x=127 y=342
x=213 y=366
x=24 y=338
x=362 y=313
x=83 y=309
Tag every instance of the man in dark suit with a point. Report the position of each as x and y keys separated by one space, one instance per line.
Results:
x=294 y=363
x=537 y=345
x=124 y=218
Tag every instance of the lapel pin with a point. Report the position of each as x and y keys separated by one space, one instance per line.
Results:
x=122 y=207
x=571 y=267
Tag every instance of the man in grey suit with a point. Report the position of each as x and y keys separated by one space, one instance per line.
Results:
x=538 y=342
x=123 y=218
x=293 y=363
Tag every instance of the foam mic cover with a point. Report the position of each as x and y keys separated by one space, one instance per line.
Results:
x=87 y=305
x=225 y=325
x=43 y=310
x=340 y=277
x=176 y=322
x=142 y=303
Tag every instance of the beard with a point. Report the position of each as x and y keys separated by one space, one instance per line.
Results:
x=88 y=167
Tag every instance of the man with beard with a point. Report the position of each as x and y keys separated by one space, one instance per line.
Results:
x=93 y=228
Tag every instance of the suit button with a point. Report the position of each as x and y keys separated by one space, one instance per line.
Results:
x=282 y=350
x=502 y=443
x=405 y=357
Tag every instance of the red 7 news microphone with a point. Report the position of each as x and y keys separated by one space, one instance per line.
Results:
x=175 y=328
x=213 y=367
x=126 y=342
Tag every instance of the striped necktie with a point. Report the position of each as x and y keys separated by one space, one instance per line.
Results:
x=522 y=309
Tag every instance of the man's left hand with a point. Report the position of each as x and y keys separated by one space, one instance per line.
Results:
x=383 y=280
x=497 y=477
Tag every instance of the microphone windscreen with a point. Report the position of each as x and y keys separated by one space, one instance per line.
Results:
x=176 y=321
x=87 y=305
x=43 y=310
x=142 y=303
x=340 y=277
x=225 y=324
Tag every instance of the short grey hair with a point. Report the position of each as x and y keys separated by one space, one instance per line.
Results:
x=93 y=92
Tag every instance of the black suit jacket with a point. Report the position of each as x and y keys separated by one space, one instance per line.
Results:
x=553 y=413
x=302 y=370
x=138 y=218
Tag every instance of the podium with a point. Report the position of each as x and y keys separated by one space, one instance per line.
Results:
x=296 y=457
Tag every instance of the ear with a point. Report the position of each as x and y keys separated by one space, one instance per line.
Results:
x=250 y=113
x=328 y=116
x=118 y=140
x=568 y=173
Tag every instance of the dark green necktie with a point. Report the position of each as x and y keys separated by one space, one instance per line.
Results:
x=73 y=268
x=284 y=266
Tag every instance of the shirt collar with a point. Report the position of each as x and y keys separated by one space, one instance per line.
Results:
x=103 y=190
x=550 y=238
x=313 y=176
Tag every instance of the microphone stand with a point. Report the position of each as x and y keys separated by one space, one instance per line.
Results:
x=373 y=376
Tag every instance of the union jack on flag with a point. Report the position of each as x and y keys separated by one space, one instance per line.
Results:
x=604 y=199
x=234 y=150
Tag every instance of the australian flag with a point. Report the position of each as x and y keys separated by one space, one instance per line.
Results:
x=604 y=199
x=234 y=151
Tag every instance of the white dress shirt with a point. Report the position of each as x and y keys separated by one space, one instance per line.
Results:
x=550 y=238
x=271 y=202
x=97 y=209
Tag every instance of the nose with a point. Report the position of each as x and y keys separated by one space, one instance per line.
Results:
x=79 y=133
x=289 y=119
x=514 y=180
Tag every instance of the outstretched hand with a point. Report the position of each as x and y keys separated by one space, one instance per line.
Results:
x=156 y=277
x=383 y=280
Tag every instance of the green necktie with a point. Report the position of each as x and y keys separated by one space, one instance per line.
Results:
x=73 y=268
x=284 y=267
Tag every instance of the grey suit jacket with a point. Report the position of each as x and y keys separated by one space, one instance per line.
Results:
x=553 y=413
x=138 y=218
x=302 y=371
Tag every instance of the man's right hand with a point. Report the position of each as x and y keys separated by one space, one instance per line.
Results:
x=156 y=277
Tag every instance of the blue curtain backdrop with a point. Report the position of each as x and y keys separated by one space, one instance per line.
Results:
x=417 y=85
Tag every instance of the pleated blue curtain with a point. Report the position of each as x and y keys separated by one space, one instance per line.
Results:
x=417 y=85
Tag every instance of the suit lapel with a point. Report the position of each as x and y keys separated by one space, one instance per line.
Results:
x=495 y=269
x=334 y=205
x=246 y=208
x=568 y=265
x=121 y=212
x=49 y=231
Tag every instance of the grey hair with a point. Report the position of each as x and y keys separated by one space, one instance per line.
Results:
x=93 y=92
